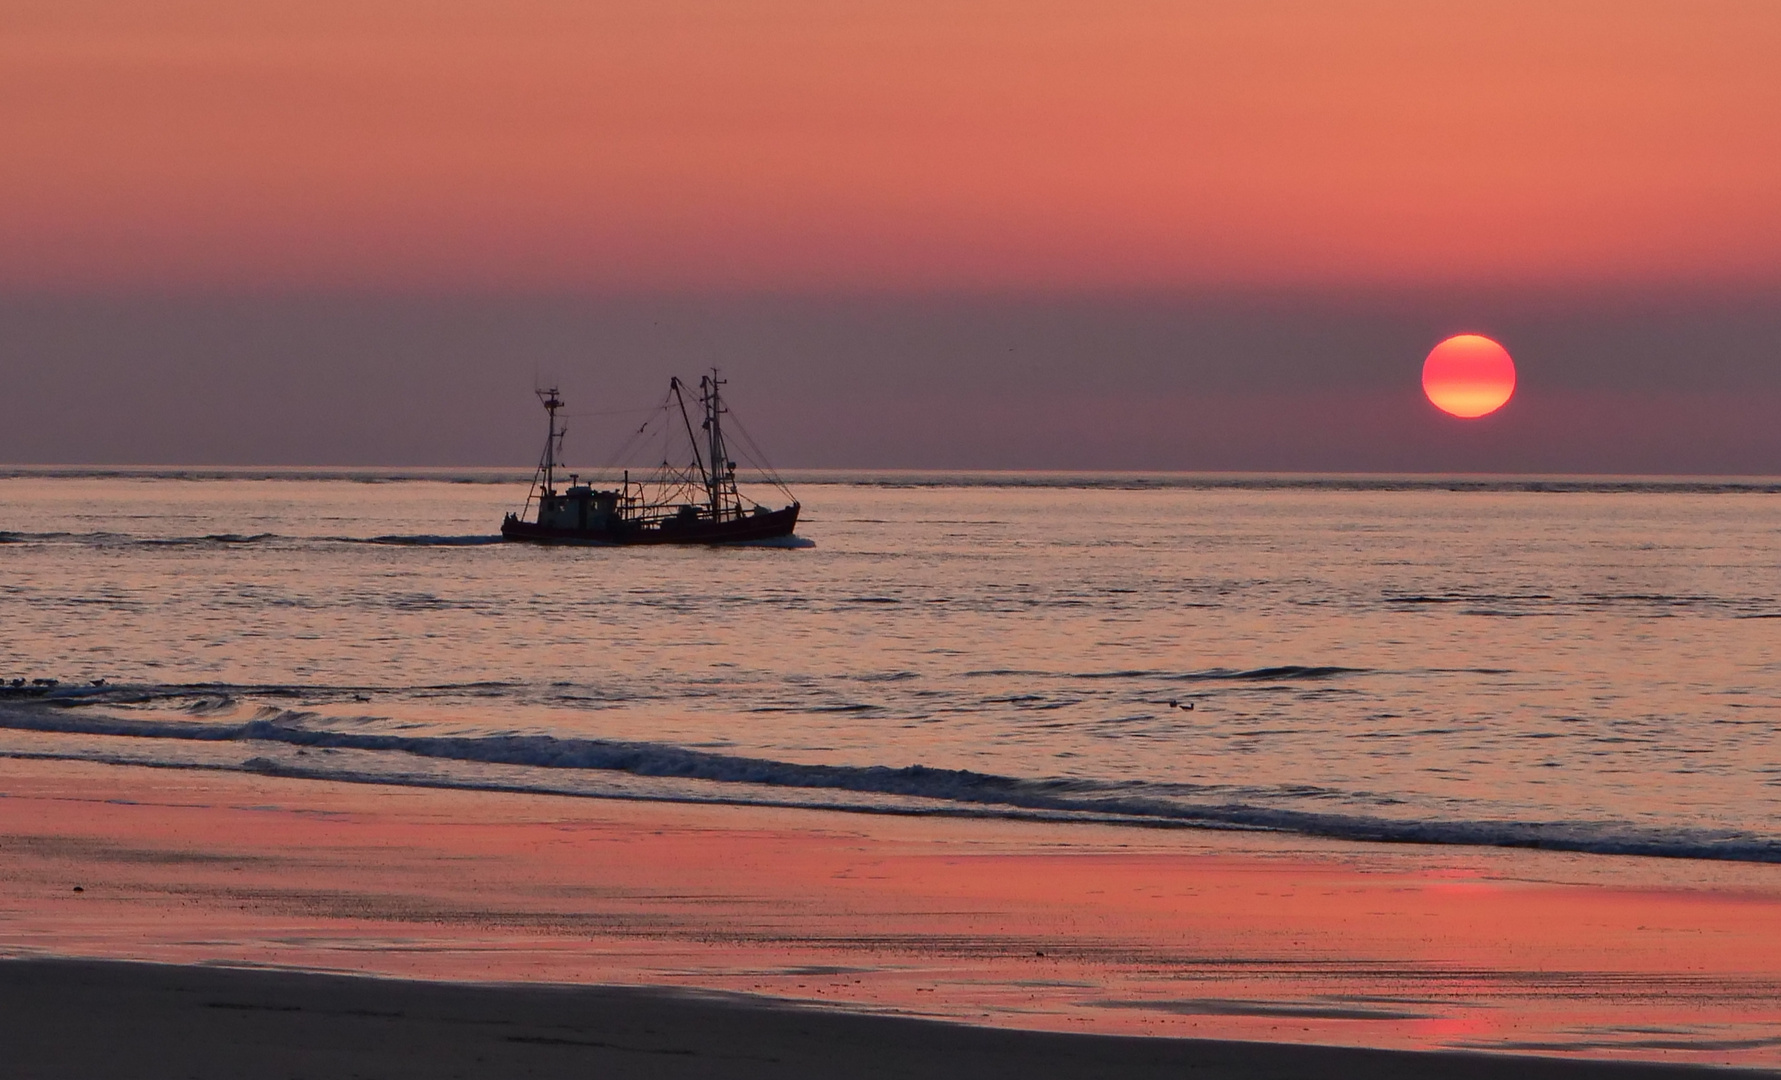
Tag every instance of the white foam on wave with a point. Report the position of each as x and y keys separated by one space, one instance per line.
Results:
x=1132 y=802
x=777 y=542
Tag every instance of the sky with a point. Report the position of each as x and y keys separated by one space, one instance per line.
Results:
x=1184 y=235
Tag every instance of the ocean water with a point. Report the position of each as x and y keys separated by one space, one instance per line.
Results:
x=1579 y=665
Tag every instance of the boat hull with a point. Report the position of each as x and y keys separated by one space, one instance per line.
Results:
x=773 y=525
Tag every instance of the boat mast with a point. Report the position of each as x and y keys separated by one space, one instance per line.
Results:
x=698 y=459
x=723 y=473
x=553 y=444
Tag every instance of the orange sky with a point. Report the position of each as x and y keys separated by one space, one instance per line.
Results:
x=793 y=145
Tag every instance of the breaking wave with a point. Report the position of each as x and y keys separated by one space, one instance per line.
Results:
x=1262 y=674
x=957 y=791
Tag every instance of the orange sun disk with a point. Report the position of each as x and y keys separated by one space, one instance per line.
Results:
x=1469 y=376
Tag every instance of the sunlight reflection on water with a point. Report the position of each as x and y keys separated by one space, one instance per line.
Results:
x=1580 y=661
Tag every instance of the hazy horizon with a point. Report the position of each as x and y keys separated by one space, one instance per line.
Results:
x=1263 y=383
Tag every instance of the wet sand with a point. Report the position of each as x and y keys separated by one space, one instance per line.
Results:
x=1024 y=927
x=97 y=1020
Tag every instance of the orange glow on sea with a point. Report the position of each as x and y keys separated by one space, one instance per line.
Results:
x=1079 y=928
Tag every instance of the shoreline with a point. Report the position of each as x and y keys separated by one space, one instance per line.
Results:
x=188 y=1021
x=1010 y=926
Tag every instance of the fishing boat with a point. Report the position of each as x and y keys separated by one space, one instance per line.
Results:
x=694 y=503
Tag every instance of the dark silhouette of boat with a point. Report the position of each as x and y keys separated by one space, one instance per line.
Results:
x=695 y=504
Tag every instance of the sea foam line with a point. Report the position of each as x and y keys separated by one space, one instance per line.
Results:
x=1134 y=802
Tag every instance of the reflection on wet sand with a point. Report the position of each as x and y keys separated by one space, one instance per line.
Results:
x=1014 y=924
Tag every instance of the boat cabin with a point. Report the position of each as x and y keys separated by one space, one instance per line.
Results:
x=580 y=507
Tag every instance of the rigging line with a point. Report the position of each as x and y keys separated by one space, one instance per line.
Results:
x=766 y=466
x=742 y=451
x=752 y=454
x=609 y=412
x=632 y=442
x=641 y=435
x=742 y=429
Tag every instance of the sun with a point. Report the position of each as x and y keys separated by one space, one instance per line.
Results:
x=1468 y=375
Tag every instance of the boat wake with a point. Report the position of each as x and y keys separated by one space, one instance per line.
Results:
x=776 y=542
x=114 y=539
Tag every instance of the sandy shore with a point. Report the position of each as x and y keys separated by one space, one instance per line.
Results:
x=1025 y=927
x=96 y=1020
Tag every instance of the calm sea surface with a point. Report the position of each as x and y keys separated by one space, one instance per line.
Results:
x=1597 y=669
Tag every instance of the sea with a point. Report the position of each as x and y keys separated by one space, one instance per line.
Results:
x=1579 y=664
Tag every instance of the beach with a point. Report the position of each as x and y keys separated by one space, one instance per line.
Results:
x=156 y=1021
x=792 y=934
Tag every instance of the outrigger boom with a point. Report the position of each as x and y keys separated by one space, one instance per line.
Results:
x=582 y=514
